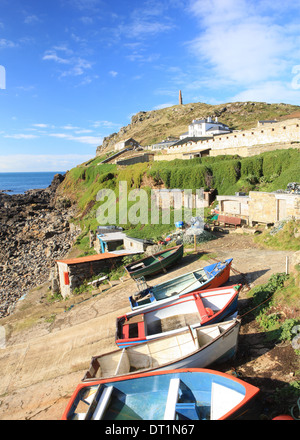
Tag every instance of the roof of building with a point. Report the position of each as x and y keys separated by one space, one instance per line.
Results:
x=190 y=139
x=223 y=127
x=201 y=121
x=91 y=258
x=112 y=236
x=140 y=240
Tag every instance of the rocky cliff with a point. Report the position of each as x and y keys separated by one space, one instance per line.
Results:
x=34 y=232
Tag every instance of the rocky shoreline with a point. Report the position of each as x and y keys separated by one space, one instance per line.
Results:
x=34 y=232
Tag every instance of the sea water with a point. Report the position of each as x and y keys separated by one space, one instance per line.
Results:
x=18 y=183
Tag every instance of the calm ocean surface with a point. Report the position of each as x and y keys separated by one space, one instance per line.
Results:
x=18 y=183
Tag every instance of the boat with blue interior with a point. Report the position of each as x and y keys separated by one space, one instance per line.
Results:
x=184 y=394
x=209 y=277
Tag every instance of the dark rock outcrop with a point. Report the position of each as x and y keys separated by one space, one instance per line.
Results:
x=34 y=232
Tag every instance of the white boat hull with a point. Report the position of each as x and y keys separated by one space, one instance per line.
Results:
x=192 y=348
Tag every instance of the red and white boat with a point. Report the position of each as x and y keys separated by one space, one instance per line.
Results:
x=188 y=311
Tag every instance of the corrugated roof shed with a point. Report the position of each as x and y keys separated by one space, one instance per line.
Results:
x=89 y=258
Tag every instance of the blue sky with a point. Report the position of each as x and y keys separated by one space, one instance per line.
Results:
x=77 y=70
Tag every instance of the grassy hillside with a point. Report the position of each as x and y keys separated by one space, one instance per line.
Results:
x=156 y=125
x=227 y=174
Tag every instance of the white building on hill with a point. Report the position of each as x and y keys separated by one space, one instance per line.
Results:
x=207 y=127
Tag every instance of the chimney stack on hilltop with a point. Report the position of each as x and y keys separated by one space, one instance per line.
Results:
x=180 y=98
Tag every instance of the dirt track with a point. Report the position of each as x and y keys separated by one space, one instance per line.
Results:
x=44 y=359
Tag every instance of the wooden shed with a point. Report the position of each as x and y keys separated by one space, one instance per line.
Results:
x=74 y=271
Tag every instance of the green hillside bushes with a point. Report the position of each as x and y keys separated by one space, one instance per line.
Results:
x=229 y=174
x=226 y=174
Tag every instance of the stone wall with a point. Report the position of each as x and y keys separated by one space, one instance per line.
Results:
x=136 y=159
x=235 y=205
x=255 y=150
x=169 y=157
x=261 y=207
x=295 y=267
x=248 y=142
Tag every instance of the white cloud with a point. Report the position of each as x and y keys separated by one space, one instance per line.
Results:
x=85 y=4
x=106 y=124
x=69 y=127
x=42 y=162
x=78 y=65
x=167 y=104
x=271 y=92
x=149 y=20
x=86 y=20
x=113 y=73
x=4 y=44
x=51 y=55
x=83 y=130
x=40 y=125
x=91 y=140
x=141 y=57
x=31 y=19
x=237 y=56
x=21 y=136
x=244 y=43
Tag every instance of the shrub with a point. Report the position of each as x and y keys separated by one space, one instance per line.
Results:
x=252 y=166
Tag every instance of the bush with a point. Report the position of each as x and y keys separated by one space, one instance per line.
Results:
x=225 y=175
x=252 y=166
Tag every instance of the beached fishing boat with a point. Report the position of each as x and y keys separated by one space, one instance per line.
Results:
x=191 y=348
x=154 y=263
x=185 y=394
x=210 y=277
x=193 y=309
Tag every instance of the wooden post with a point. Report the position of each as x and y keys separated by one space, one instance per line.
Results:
x=195 y=243
x=91 y=236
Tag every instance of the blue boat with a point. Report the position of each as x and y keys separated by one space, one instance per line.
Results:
x=184 y=394
x=210 y=277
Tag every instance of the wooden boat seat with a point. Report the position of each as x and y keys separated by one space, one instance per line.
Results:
x=172 y=399
x=167 y=294
x=123 y=366
x=134 y=324
x=134 y=319
x=187 y=409
x=101 y=405
x=223 y=399
x=138 y=297
x=204 y=312
x=179 y=321
x=136 y=266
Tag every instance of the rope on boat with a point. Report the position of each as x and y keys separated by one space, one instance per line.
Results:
x=256 y=306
